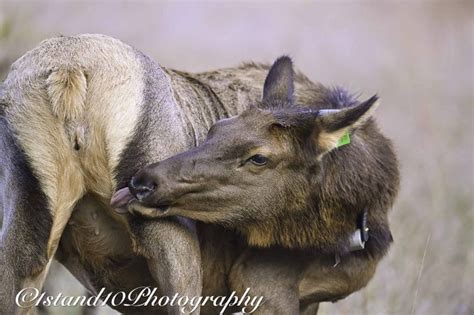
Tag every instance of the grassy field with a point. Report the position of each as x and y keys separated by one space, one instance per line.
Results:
x=418 y=56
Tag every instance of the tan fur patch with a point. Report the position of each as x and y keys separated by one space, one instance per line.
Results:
x=328 y=140
x=260 y=236
x=259 y=239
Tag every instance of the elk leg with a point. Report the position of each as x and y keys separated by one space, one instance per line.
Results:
x=269 y=273
x=30 y=231
x=172 y=250
x=323 y=281
x=311 y=309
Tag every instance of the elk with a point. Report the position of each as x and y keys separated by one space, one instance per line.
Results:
x=312 y=212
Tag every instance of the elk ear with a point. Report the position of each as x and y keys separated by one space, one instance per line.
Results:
x=332 y=124
x=279 y=82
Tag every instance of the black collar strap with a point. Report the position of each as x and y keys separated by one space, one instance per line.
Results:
x=358 y=238
x=361 y=235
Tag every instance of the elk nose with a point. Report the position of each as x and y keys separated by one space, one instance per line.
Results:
x=142 y=186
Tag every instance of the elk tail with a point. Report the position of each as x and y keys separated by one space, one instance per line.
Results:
x=67 y=91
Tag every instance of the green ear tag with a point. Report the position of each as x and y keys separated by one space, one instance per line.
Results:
x=345 y=139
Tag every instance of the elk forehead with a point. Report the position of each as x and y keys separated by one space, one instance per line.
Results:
x=246 y=134
x=251 y=124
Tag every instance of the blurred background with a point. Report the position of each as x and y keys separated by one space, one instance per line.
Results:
x=418 y=56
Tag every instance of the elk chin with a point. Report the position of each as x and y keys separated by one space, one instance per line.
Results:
x=163 y=208
x=137 y=208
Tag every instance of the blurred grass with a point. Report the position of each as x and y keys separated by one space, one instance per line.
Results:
x=418 y=56
x=5 y=33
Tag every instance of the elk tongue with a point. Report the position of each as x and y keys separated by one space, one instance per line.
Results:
x=120 y=200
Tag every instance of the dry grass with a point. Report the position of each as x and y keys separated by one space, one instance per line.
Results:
x=417 y=56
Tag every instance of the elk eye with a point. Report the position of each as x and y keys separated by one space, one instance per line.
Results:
x=258 y=159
